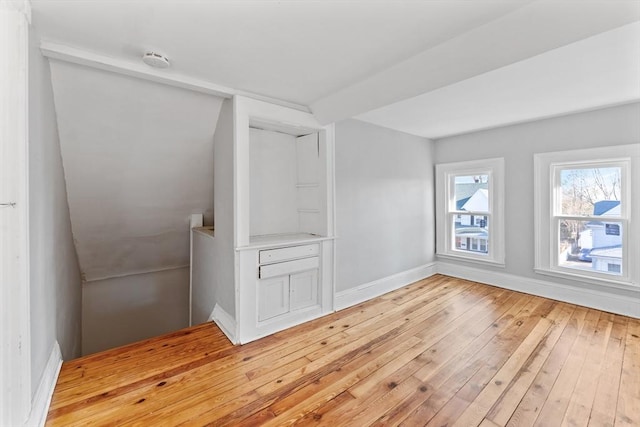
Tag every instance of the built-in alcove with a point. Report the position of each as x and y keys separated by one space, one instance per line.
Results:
x=268 y=264
x=285 y=185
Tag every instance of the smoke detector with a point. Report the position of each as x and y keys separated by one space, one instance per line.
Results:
x=155 y=60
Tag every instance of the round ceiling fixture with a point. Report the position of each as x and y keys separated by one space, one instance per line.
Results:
x=156 y=60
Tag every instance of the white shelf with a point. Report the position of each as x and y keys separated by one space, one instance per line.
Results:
x=259 y=242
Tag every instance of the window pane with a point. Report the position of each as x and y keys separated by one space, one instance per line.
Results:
x=472 y=193
x=591 y=245
x=471 y=233
x=590 y=191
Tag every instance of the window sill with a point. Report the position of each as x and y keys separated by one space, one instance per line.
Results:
x=472 y=259
x=611 y=283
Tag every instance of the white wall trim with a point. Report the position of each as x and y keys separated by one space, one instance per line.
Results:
x=21 y=6
x=367 y=291
x=600 y=300
x=195 y=220
x=445 y=208
x=225 y=322
x=606 y=301
x=138 y=70
x=546 y=166
x=15 y=316
x=135 y=273
x=44 y=393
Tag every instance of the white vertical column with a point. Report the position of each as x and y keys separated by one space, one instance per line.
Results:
x=15 y=364
x=241 y=171
x=196 y=220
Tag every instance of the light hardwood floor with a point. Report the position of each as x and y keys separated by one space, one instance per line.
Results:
x=441 y=351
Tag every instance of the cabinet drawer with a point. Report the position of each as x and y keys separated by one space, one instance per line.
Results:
x=291 y=252
x=288 y=267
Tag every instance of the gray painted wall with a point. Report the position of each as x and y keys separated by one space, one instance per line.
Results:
x=223 y=212
x=274 y=208
x=137 y=162
x=517 y=144
x=203 y=295
x=385 y=203
x=55 y=275
x=127 y=309
x=137 y=159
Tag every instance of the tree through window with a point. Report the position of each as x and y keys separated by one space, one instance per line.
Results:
x=589 y=212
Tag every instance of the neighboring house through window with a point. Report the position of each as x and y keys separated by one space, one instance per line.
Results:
x=583 y=214
x=469 y=198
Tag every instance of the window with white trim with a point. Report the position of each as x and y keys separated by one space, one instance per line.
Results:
x=470 y=210
x=583 y=214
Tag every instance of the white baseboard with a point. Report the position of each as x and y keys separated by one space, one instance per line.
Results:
x=605 y=301
x=42 y=398
x=365 y=292
x=225 y=322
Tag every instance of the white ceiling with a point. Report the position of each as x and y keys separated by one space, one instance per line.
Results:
x=340 y=58
x=599 y=71
x=137 y=154
x=297 y=51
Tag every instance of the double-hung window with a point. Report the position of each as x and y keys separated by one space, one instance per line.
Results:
x=584 y=208
x=470 y=205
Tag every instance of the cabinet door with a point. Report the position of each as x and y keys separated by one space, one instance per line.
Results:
x=304 y=289
x=273 y=297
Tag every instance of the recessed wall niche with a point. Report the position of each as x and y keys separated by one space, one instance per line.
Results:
x=285 y=185
x=268 y=263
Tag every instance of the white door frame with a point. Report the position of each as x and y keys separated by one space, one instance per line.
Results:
x=15 y=346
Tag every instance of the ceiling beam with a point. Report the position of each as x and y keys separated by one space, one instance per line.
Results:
x=526 y=32
x=61 y=52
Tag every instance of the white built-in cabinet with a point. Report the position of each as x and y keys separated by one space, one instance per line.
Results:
x=287 y=285
x=281 y=295
x=273 y=217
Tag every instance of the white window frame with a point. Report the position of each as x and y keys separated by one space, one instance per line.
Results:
x=446 y=210
x=547 y=167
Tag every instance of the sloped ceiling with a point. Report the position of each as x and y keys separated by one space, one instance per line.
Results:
x=137 y=158
x=338 y=58
x=536 y=28
x=138 y=155
x=297 y=51
x=601 y=70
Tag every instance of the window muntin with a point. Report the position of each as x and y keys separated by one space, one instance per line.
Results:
x=470 y=202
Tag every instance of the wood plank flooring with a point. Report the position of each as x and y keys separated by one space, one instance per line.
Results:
x=441 y=351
